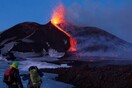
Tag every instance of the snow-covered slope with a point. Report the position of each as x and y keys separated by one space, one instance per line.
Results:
x=92 y=41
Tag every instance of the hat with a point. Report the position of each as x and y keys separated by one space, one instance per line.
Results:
x=15 y=64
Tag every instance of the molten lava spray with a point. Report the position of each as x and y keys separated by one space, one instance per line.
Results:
x=58 y=17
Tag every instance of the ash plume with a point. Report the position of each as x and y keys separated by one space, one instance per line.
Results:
x=114 y=16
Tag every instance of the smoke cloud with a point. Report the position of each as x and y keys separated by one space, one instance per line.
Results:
x=114 y=16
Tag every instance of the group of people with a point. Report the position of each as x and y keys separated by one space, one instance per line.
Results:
x=13 y=80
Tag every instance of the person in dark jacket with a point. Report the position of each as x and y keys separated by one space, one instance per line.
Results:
x=32 y=80
x=16 y=80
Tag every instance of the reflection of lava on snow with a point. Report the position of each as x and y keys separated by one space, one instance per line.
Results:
x=58 y=18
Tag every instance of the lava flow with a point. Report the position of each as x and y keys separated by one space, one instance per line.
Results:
x=58 y=18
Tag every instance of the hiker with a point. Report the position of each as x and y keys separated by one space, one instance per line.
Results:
x=34 y=77
x=12 y=77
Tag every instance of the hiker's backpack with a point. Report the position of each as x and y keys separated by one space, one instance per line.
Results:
x=35 y=77
x=9 y=76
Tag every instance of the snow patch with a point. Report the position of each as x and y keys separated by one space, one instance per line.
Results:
x=7 y=47
x=6 y=40
x=54 y=53
x=24 y=65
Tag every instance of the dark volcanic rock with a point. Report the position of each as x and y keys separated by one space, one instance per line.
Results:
x=17 y=32
x=28 y=47
x=33 y=37
x=52 y=37
x=83 y=76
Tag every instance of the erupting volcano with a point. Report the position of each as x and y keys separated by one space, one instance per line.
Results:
x=58 y=17
x=41 y=39
x=53 y=39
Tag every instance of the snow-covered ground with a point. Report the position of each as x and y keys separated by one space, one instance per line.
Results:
x=48 y=79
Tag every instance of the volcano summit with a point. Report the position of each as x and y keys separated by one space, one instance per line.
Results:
x=48 y=39
x=33 y=37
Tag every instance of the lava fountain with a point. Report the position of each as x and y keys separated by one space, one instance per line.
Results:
x=58 y=17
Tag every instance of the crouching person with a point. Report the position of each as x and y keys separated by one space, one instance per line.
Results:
x=34 y=77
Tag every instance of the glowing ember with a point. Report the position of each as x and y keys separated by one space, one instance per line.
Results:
x=58 y=18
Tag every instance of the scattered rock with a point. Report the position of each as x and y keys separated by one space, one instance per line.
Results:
x=83 y=76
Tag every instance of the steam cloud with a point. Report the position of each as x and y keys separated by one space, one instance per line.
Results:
x=114 y=16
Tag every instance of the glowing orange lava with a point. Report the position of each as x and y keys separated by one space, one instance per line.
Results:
x=58 y=17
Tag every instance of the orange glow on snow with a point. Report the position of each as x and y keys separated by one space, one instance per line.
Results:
x=58 y=17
